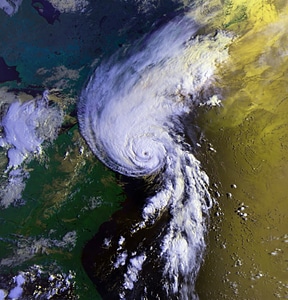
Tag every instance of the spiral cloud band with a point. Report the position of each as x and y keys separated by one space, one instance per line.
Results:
x=129 y=113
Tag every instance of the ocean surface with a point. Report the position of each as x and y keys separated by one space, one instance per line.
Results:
x=143 y=149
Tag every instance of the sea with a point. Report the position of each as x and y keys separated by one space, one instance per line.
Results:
x=143 y=149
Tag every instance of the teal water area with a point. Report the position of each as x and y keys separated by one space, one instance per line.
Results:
x=75 y=41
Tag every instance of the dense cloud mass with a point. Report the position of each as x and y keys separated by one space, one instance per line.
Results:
x=130 y=115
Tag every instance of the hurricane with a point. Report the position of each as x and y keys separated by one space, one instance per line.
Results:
x=133 y=114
